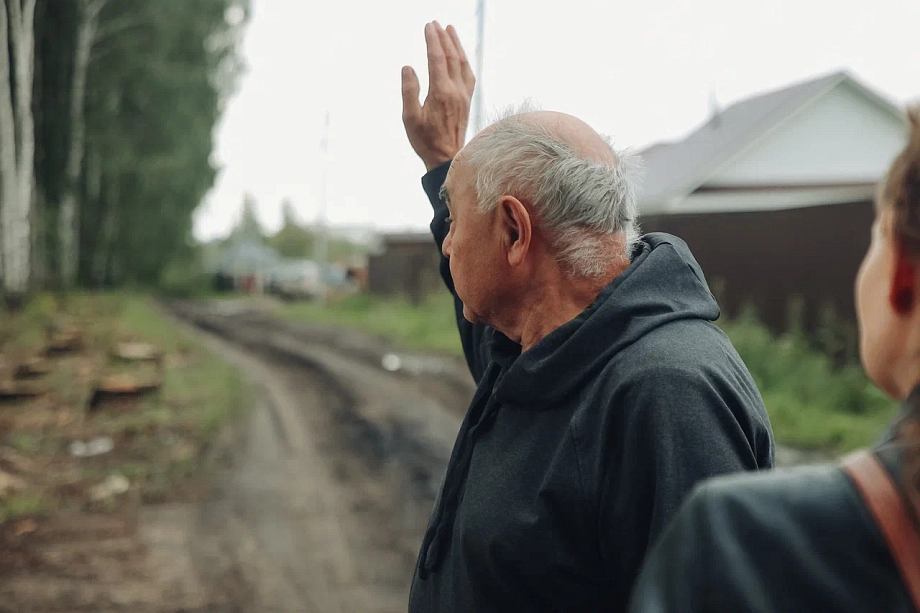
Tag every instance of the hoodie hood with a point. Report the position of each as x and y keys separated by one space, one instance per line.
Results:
x=664 y=283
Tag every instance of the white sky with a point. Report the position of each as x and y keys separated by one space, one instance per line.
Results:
x=640 y=71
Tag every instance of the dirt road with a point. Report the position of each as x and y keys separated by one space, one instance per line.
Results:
x=322 y=495
x=320 y=499
x=325 y=506
x=341 y=465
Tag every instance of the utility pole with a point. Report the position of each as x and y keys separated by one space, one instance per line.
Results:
x=321 y=246
x=478 y=118
x=714 y=108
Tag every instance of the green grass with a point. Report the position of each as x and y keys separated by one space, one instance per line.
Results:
x=812 y=403
x=200 y=393
x=201 y=389
x=24 y=442
x=428 y=326
x=22 y=505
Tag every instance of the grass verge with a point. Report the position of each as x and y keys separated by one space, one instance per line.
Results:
x=429 y=326
x=159 y=440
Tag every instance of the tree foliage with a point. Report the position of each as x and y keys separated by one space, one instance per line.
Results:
x=248 y=229
x=294 y=240
x=158 y=76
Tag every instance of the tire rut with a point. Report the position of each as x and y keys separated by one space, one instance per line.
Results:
x=329 y=498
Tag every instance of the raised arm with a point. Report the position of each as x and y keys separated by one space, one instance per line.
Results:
x=474 y=337
x=437 y=132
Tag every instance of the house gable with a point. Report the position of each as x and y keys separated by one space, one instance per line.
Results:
x=843 y=137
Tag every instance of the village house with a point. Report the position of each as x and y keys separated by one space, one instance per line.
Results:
x=774 y=195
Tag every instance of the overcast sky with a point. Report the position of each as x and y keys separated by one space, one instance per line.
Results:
x=640 y=71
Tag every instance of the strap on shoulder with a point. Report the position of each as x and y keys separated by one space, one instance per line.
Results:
x=891 y=514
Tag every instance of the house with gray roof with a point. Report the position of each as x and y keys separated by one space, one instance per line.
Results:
x=774 y=194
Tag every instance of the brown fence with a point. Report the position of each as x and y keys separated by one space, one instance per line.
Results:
x=768 y=259
x=405 y=269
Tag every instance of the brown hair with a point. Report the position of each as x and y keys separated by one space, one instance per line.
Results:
x=901 y=193
x=901 y=189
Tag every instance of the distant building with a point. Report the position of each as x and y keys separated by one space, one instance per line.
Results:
x=244 y=266
x=774 y=195
x=407 y=265
x=291 y=278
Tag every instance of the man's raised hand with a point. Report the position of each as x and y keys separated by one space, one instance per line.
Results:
x=437 y=129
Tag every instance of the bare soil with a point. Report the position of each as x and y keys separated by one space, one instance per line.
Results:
x=318 y=500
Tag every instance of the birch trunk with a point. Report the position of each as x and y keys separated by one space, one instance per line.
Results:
x=69 y=216
x=8 y=204
x=17 y=141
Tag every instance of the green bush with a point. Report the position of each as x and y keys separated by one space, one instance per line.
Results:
x=184 y=279
x=426 y=326
x=812 y=402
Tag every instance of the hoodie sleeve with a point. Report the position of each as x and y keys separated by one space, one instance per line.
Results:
x=474 y=337
x=678 y=428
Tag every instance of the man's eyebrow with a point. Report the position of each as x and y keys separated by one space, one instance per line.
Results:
x=444 y=195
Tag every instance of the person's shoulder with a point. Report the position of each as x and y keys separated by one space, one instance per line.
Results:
x=763 y=500
x=789 y=539
x=679 y=372
x=767 y=504
x=805 y=522
x=682 y=379
x=785 y=512
x=686 y=346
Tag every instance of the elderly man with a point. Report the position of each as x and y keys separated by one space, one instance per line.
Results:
x=605 y=392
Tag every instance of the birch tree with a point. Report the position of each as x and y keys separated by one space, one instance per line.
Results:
x=17 y=142
x=68 y=216
x=126 y=96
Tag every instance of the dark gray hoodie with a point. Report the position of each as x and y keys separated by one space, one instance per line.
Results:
x=575 y=454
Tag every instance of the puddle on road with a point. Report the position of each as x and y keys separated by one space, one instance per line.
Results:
x=414 y=365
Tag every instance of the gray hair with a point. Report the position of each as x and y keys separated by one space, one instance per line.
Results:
x=579 y=202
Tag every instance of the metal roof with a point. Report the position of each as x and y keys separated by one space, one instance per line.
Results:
x=675 y=169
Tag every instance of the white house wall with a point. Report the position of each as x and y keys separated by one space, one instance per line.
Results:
x=841 y=137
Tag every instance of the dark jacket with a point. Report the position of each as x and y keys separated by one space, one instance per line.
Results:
x=574 y=454
x=793 y=540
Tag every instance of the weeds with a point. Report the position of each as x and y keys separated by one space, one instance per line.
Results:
x=159 y=440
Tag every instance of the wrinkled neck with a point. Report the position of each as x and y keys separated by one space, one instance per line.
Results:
x=549 y=304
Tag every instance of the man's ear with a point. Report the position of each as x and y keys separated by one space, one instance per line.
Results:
x=905 y=282
x=516 y=229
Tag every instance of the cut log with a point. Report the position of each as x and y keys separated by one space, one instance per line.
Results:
x=122 y=386
x=64 y=341
x=32 y=368
x=138 y=352
x=10 y=483
x=11 y=391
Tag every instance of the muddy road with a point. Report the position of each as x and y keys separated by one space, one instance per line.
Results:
x=320 y=497
x=340 y=465
x=324 y=502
